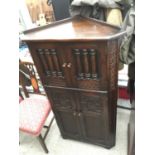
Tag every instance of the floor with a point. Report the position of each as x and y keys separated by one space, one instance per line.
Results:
x=59 y=146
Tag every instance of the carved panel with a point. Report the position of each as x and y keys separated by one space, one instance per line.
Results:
x=50 y=62
x=112 y=58
x=92 y=103
x=85 y=62
x=89 y=84
x=57 y=82
x=95 y=131
x=61 y=99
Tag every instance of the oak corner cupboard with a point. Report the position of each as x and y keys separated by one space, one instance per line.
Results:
x=77 y=61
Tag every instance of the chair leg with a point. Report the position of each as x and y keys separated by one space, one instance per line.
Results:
x=48 y=128
x=41 y=140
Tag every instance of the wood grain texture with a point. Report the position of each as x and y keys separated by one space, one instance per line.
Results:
x=77 y=29
x=56 y=62
x=78 y=63
x=93 y=63
x=43 y=61
x=50 y=61
x=85 y=63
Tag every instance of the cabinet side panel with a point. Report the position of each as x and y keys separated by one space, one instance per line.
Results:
x=113 y=51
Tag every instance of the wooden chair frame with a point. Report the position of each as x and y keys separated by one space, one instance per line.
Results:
x=32 y=74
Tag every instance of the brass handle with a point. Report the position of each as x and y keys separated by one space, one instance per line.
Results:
x=69 y=65
x=79 y=114
x=64 y=64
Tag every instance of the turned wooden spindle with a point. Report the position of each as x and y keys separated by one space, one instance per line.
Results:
x=56 y=62
x=93 y=63
x=86 y=63
x=50 y=61
x=43 y=61
x=78 y=63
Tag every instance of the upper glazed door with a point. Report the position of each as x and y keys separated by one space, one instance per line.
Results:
x=50 y=61
x=87 y=65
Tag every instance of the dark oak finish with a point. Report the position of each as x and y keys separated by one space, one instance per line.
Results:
x=79 y=74
x=85 y=63
x=78 y=63
x=93 y=63
x=50 y=61
x=77 y=29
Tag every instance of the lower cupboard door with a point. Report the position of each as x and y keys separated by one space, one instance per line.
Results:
x=94 y=117
x=68 y=123
x=93 y=127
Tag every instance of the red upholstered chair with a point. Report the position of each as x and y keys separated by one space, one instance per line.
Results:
x=20 y=96
x=33 y=109
x=20 y=99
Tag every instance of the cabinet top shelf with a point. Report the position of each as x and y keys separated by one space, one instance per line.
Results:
x=76 y=28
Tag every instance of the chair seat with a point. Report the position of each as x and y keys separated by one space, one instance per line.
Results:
x=32 y=114
x=20 y=99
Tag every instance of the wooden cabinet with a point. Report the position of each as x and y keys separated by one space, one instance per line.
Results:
x=77 y=60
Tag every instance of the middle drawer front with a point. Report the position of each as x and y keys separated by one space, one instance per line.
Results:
x=79 y=100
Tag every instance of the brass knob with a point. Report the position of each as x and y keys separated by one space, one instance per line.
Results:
x=69 y=65
x=79 y=114
x=74 y=113
x=64 y=64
